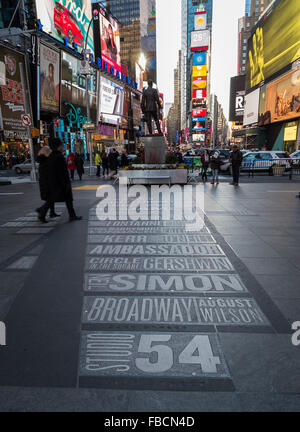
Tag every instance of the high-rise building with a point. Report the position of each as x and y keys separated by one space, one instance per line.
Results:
x=174 y=114
x=188 y=9
x=253 y=10
x=137 y=31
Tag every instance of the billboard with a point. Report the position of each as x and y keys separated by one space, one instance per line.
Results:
x=200 y=40
x=66 y=19
x=107 y=39
x=11 y=92
x=198 y=124
x=73 y=92
x=199 y=71
x=275 y=43
x=199 y=83
x=199 y=59
x=199 y=112
x=198 y=138
x=199 y=94
x=280 y=100
x=251 y=108
x=200 y=20
x=50 y=79
x=111 y=101
x=139 y=77
x=237 y=98
x=291 y=131
x=199 y=103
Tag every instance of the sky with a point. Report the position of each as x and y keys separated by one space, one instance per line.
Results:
x=224 y=45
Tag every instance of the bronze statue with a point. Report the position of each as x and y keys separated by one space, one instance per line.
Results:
x=151 y=106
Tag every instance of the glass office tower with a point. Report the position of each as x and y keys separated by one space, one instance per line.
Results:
x=138 y=32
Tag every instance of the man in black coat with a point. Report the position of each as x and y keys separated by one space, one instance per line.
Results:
x=236 y=159
x=150 y=106
x=60 y=189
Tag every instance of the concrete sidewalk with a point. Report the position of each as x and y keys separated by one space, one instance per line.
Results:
x=65 y=285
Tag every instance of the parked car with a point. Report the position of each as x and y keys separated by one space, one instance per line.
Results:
x=264 y=160
x=25 y=167
x=66 y=24
x=295 y=155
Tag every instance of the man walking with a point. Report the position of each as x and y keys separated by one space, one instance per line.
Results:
x=59 y=184
x=236 y=159
x=150 y=106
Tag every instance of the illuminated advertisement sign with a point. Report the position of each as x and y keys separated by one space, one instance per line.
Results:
x=275 y=43
x=66 y=19
x=199 y=71
x=198 y=124
x=199 y=112
x=291 y=131
x=111 y=101
x=73 y=92
x=107 y=31
x=280 y=100
x=199 y=83
x=200 y=40
x=198 y=138
x=50 y=67
x=251 y=108
x=237 y=99
x=199 y=59
x=199 y=94
x=199 y=103
x=200 y=21
x=11 y=92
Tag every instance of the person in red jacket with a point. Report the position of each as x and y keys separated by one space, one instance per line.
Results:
x=71 y=162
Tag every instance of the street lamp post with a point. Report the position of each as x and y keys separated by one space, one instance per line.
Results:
x=86 y=54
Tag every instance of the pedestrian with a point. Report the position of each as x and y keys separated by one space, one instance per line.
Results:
x=79 y=165
x=236 y=158
x=98 y=163
x=105 y=167
x=71 y=164
x=215 y=164
x=178 y=154
x=112 y=163
x=205 y=160
x=43 y=159
x=60 y=189
x=124 y=159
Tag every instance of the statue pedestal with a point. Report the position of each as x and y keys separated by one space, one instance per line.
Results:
x=155 y=149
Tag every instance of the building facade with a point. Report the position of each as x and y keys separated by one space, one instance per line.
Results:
x=188 y=9
x=138 y=33
x=174 y=114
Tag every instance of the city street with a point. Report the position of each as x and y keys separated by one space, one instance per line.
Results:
x=145 y=315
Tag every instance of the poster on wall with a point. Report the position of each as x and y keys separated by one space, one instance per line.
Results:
x=11 y=92
x=280 y=100
x=73 y=93
x=50 y=67
x=274 y=44
x=111 y=101
x=107 y=38
x=66 y=19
